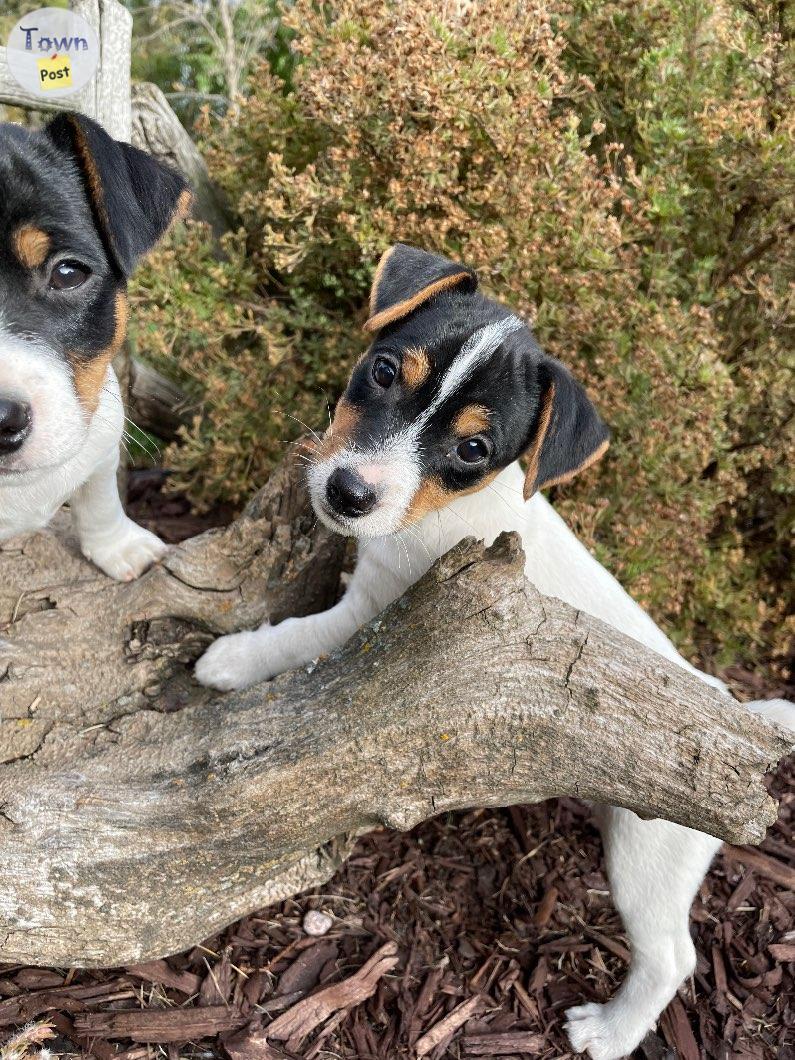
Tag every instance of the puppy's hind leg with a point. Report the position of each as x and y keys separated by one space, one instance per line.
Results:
x=655 y=869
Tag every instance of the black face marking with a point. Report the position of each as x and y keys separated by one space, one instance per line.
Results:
x=41 y=191
x=487 y=401
x=62 y=274
x=458 y=420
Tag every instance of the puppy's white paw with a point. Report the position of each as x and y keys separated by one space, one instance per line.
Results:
x=599 y=1031
x=236 y=661
x=127 y=554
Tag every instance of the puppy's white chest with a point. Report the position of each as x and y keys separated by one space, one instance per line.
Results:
x=15 y=519
x=29 y=506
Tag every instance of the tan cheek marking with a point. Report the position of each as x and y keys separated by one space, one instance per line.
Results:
x=415 y=368
x=89 y=375
x=346 y=419
x=472 y=419
x=432 y=496
x=31 y=246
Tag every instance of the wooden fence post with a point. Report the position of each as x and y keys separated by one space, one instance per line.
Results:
x=106 y=98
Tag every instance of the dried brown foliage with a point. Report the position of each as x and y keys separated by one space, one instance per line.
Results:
x=622 y=174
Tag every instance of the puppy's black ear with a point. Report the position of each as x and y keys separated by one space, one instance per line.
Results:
x=569 y=435
x=406 y=277
x=135 y=199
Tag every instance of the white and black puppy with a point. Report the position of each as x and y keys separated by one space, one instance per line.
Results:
x=426 y=438
x=77 y=211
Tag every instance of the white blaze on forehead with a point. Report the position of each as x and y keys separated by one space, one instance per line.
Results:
x=476 y=351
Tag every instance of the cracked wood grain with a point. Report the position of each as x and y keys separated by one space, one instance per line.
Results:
x=148 y=813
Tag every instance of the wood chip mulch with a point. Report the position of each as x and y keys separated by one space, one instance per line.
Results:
x=467 y=937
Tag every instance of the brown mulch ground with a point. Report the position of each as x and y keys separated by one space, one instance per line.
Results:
x=467 y=937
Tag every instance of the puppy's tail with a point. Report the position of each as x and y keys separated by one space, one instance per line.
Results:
x=780 y=711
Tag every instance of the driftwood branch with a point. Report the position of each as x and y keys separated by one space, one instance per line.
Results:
x=139 y=813
x=158 y=130
x=157 y=404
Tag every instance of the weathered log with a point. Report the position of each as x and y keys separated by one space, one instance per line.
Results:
x=139 y=813
x=158 y=130
x=157 y=404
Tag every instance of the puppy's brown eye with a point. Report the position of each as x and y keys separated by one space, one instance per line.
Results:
x=384 y=372
x=473 y=450
x=67 y=275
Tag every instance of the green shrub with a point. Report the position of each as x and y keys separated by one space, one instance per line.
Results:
x=593 y=161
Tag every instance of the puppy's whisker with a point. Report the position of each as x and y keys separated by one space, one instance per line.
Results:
x=143 y=443
x=507 y=486
x=503 y=500
x=415 y=535
x=397 y=549
x=141 y=435
x=306 y=426
x=466 y=522
x=406 y=551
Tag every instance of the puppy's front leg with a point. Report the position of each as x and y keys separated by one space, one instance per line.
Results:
x=244 y=659
x=117 y=545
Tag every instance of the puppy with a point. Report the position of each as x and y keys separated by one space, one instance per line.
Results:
x=77 y=211
x=425 y=440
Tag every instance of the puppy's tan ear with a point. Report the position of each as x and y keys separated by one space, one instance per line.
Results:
x=568 y=437
x=406 y=278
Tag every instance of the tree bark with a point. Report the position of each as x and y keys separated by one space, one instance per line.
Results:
x=139 y=813
x=157 y=404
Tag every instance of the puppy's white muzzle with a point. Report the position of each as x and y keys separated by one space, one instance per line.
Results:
x=35 y=379
x=378 y=504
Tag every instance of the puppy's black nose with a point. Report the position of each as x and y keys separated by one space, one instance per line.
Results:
x=14 y=424
x=348 y=494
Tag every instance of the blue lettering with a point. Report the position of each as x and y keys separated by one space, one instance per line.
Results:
x=27 y=32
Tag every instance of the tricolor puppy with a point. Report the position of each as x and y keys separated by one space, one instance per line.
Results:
x=77 y=211
x=423 y=452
